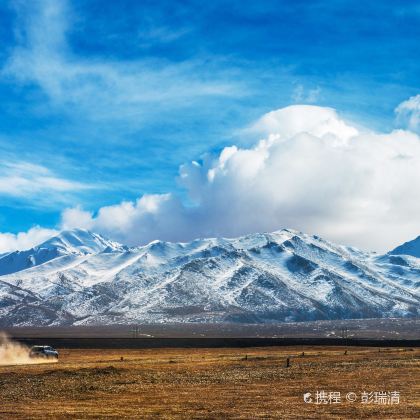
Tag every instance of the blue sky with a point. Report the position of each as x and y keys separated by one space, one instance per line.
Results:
x=101 y=102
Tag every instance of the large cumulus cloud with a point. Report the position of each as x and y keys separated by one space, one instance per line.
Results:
x=310 y=171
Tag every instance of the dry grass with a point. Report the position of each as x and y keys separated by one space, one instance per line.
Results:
x=211 y=383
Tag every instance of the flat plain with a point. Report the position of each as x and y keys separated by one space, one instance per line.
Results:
x=245 y=383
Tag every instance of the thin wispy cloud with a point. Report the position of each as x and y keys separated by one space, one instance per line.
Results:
x=37 y=183
x=309 y=96
x=408 y=113
x=102 y=86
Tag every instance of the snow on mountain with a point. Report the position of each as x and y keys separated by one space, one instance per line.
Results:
x=80 y=277
x=409 y=248
x=74 y=242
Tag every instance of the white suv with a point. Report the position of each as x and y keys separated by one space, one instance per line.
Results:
x=43 y=351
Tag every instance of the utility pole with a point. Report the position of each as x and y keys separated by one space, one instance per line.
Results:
x=345 y=335
x=135 y=331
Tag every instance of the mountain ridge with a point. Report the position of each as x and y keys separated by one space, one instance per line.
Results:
x=67 y=242
x=411 y=248
x=280 y=276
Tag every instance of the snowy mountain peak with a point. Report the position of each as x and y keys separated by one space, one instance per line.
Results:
x=80 y=241
x=68 y=242
x=408 y=248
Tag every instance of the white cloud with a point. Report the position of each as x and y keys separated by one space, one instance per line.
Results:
x=295 y=119
x=133 y=223
x=76 y=217
x=29 y=181
x=103 y=88
x=24 y=240
x=408 y=113
x=313 y=172
x=302 y=95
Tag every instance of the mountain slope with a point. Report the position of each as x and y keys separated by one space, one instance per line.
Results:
x=270 y=277
x=409 y=248
x=74 y=242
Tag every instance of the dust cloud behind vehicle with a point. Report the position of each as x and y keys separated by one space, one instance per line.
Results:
x=15 y=353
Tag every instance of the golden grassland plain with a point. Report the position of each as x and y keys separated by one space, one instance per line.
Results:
x=235 y=383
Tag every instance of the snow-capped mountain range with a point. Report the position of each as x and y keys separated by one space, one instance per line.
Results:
x=79 y=277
